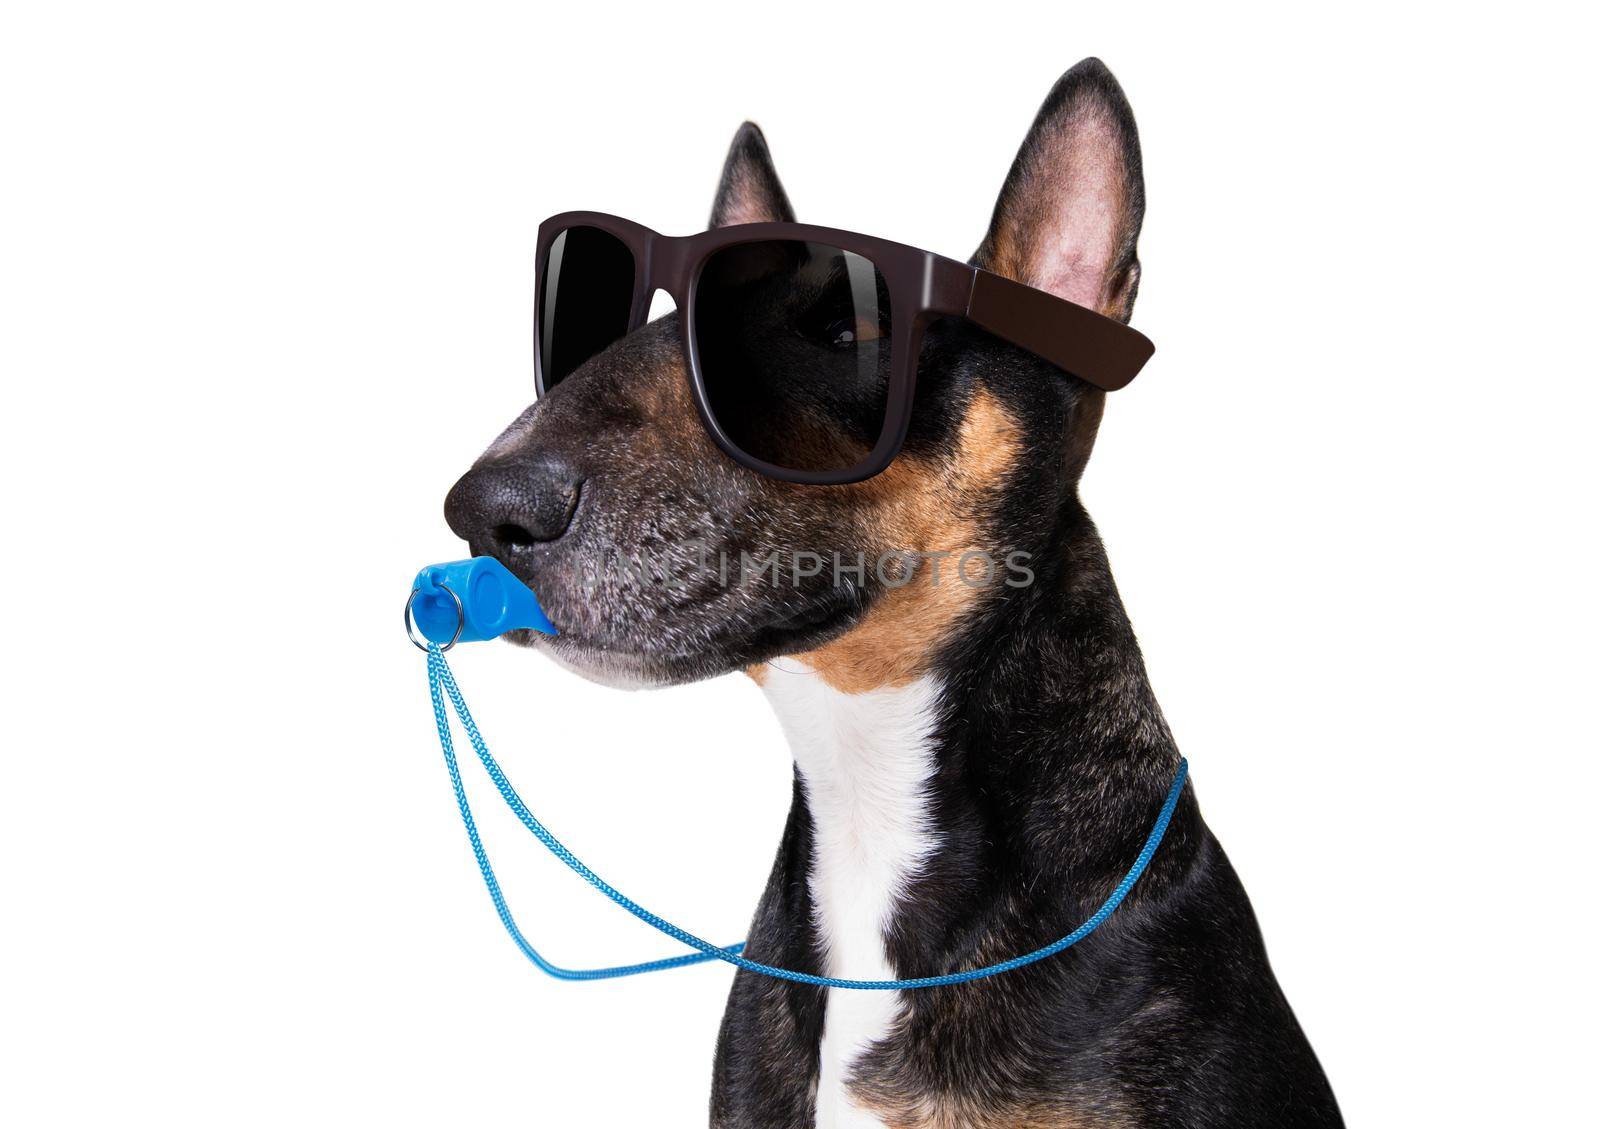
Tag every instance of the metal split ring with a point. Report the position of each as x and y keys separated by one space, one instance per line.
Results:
x=411 y=631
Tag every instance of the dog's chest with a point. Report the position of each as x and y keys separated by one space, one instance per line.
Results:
x=865 y=761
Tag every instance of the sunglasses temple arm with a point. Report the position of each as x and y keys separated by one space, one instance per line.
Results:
x=1090 y=346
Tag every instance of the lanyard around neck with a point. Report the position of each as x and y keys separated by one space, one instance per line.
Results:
x=442 y=685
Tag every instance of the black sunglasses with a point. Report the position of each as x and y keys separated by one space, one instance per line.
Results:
x=761 y=302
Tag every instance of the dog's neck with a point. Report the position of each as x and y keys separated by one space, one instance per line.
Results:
x=864 y=763
x=996 y=795
x=1037 y=702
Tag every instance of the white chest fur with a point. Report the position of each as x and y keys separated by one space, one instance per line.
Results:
x=864 y=760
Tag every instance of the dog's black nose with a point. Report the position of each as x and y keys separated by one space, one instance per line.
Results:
x=509 y=506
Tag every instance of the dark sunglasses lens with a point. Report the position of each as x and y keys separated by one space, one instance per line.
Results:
x=588 y=291
x=793 y=348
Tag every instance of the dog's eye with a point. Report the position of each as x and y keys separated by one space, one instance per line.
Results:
x=842 y=317
x=847 y=333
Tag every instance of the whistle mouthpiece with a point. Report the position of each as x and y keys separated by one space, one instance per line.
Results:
x=469 y=601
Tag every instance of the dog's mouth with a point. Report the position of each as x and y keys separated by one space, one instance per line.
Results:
x=638 y=656
x=808 y=627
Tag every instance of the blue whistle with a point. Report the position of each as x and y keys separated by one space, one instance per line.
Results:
x=469 y=601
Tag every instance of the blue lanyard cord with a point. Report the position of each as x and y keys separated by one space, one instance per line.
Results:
x=442 y=684
x=440 y=679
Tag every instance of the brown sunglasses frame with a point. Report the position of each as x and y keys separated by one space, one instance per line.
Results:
x=1090 y=346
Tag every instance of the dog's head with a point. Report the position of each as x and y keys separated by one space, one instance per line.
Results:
x=663 y=560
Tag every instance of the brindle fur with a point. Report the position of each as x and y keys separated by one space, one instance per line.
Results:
x=1052 y=754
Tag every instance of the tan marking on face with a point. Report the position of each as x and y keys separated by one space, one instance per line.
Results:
x=927 y=507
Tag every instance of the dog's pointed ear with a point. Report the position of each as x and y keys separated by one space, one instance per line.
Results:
x=1068 y=217
x=750 y=191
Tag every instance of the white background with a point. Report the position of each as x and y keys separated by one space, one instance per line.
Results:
x=266 y=293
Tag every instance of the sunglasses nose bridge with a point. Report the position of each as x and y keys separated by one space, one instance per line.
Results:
x=658 y=303
x=662 y=270
x=665 y=267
